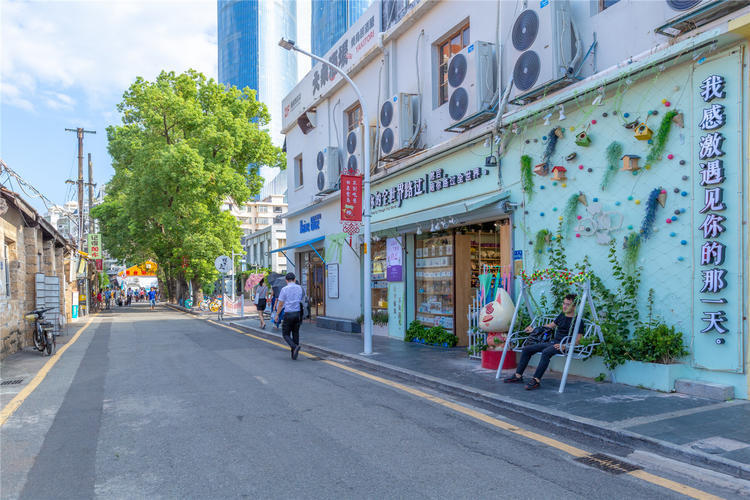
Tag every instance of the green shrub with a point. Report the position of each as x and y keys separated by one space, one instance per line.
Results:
x=658 y=343
x=380 y=318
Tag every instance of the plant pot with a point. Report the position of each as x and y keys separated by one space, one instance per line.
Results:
x=491 y=360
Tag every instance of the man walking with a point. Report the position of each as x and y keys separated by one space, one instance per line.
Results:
x=107 y=296
x=290 y=300
x=152 y=297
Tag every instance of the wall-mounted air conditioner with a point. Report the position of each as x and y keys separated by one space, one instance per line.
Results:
x=543 y=46
x=398 y=122
x=354 y=151
x=686 y=15
x=472 y=81
x=328 y=164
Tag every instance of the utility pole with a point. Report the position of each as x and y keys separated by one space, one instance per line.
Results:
x=91 y=185
x=79 y=133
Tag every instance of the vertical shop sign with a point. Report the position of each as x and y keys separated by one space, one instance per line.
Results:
x=394 y=259
x=95 y=245
x=333 y=281
x=396 y=309
x=351 y=198
x=711 y=171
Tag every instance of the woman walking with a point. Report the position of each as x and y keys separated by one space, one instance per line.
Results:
x=261 y=293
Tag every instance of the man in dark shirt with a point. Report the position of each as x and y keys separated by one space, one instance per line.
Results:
x=561 y=324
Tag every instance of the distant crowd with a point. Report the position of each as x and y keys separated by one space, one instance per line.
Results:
x=108 y=297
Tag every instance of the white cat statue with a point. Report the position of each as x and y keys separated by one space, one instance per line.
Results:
x=495 y=316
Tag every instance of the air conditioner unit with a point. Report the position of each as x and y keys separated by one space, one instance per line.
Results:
x=354 y=151
x=328 y=163
x=472 y=77
x=398 y=117
x=543 y=46
x=686 y=15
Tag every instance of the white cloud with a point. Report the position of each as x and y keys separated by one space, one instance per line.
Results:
x=52 y=50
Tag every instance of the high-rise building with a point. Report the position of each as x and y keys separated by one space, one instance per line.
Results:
x=249 y=56
x=331 y=19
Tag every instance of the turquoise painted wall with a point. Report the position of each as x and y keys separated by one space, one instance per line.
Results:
x=670 y=258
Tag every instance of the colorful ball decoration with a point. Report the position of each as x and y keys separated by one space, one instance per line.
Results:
x=637 y=202
x=593 y=122
x=560 y=275
x=580 y=167
x=669 y=221
x=683 y=242
x=667 y=104
x=670 y=156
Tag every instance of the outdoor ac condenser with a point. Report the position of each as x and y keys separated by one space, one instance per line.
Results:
x=542 y=47
x=354 y=150
x=328 y=164
x=397 y=124
x=472 y=77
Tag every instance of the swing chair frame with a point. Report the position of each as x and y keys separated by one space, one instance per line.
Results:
x=516 y=339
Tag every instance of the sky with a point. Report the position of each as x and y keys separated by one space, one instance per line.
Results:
x=67 y=64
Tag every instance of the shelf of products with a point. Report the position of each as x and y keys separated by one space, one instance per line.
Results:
x=379 y=283
x=434 y=280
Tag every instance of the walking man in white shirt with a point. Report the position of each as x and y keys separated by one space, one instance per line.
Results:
x=290 y=299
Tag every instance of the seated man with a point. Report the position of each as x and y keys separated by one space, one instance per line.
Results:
x=561 y=324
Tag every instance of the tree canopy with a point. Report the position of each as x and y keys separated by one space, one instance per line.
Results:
x=187 y=144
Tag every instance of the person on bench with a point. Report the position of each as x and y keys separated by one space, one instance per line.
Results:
x=561 y=324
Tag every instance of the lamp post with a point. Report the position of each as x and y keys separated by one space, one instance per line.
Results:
x=289 y=45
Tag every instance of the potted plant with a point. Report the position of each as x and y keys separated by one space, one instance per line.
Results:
x=494 y=351
x=380 y=323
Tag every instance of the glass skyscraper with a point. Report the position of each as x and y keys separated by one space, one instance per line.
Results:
x=331 y=19
x=249 y=55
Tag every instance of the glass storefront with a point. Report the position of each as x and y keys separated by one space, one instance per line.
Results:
x=447 y=267
x=312 y=279
x=434 y=280
x=379 y=282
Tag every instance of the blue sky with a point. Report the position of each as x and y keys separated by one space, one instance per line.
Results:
x=67 y=64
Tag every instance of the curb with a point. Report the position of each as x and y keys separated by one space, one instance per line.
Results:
x=540 y=415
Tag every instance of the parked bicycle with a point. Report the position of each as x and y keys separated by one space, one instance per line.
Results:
x=44 y=339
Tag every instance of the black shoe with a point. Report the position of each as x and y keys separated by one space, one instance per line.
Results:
x=513 y=379
x=295 y=352
x=533 y=384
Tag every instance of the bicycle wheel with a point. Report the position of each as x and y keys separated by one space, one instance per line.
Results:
x=38 y=339
x=50 y=341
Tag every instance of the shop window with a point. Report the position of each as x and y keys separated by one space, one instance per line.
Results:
x=379 y=282
x=434 y=280
x=298 y=172
x=452 y=44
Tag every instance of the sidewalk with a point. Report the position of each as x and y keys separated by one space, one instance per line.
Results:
x=699 y=431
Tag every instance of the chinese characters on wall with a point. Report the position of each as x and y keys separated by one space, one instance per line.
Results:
x=351 y=198
x=436 y=180
x=711 y=170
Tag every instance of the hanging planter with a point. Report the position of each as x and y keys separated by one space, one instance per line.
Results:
x=540 y=242
x=583 y=139
x=571 y=209
x=630 y=163
x=642 y=132
x=649 y=218
x=632 y=246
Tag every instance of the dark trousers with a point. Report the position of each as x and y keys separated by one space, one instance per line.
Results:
x=547 y=349
x=290 y=325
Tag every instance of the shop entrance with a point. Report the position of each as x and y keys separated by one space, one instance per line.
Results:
x=312 y=279
x=447 y=269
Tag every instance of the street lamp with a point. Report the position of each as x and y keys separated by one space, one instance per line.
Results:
x=289 y=45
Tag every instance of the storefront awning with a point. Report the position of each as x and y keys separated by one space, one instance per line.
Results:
x=300 y=244
x=452 y=209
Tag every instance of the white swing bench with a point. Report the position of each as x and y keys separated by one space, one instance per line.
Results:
x=591 y=337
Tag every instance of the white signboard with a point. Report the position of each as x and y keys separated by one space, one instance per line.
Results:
x=223 y=264
x=346 y=53
x=333 y=281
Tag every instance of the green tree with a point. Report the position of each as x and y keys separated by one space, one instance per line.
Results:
x=181 y=152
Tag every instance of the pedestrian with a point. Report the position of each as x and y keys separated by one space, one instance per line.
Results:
x=130 y=296
x=561 y=327
x=107 y=296
x=290 y=299
x=152 y=297
x=261 y=295
x=99 y=300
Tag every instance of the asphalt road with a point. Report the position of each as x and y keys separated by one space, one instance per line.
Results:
x=164 y=405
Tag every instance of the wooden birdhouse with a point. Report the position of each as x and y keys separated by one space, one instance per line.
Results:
x=558 y=173
x=630 y=163
x=642 y=132
x=583 y=139
x=541 y=169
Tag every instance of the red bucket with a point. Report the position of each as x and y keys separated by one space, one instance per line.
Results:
x=491 y=360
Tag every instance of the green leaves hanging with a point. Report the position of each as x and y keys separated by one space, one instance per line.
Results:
x=540 y=242
x=659 y=142
x=647 y=225
x=569 y=216
x=614 y=152
x=527 y=176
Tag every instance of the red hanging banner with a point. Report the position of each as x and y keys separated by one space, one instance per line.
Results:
x=351 y=198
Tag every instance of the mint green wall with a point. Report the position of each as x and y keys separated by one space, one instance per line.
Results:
x=670 y=259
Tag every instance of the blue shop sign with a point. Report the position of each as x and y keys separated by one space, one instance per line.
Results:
x=305 y=226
